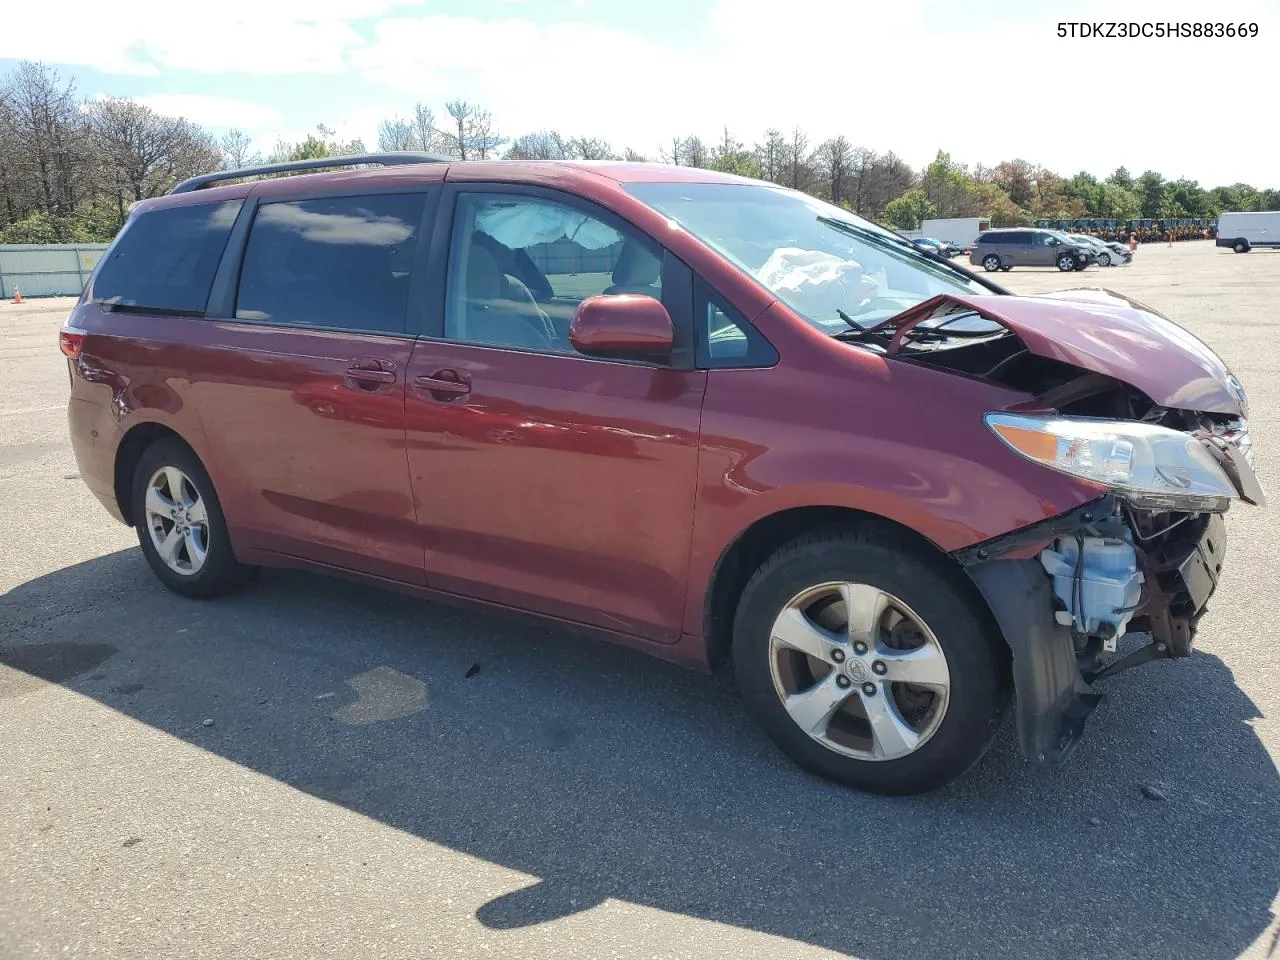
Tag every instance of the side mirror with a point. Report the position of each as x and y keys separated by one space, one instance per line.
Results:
x=1055 y=242
x=624 y=325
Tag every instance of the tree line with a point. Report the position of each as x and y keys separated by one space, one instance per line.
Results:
x=70 y=168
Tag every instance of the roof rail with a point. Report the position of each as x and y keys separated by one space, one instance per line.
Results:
x=320 y=163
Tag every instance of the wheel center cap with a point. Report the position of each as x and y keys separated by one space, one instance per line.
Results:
x=857 y=670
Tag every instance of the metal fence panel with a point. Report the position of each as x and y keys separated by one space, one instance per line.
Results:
x=47 y=269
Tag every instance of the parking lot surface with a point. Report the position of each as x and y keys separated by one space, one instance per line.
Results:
x=319 y=769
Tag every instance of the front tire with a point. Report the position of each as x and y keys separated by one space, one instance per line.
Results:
x=1241 y=246
x=181 y=529
x=1066 y=263
x=991 y=263
x=900 y=697
x=1104 y=259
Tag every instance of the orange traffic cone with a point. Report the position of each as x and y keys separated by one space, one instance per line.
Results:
x=17 y=295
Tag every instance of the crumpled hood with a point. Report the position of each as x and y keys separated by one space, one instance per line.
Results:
x=1106 y=332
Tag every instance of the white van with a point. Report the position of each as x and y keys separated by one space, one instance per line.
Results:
x=1244 y=231
x=957 y=231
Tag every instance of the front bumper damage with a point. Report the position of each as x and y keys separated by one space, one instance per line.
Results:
x=1060 y=650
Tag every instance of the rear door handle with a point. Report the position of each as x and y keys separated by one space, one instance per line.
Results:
x=444 y=385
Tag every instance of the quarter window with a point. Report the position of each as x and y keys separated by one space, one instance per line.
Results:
x=519 y=267
x=726 y=338
x=336 y=262
x=165 y=259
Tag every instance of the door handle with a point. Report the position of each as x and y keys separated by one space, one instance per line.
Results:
x=444 y=385
x=370 y=373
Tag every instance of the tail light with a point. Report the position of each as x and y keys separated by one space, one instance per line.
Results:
x=71 y=341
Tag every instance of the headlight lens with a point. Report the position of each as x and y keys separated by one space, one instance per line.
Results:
x=1150 y=466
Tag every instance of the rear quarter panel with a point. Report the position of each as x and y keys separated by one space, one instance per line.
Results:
x=132 y=371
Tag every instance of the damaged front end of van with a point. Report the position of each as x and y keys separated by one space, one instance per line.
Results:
x=1126 y=400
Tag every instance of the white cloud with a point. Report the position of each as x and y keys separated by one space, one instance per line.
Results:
x=264 y=37
x=907 y=76
x=985 y=79
x=213 y=111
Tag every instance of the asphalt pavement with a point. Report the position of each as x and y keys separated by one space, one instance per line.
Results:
x=320 y=769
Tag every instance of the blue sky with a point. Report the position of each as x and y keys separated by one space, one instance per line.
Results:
x=985 y=79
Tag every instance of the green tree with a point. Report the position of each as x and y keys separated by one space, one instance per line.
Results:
x=1238 y=196
x=948 y=187
x=1117 y=203
x=323 y=143
x=731 y=156
x=742 y=162
x=908 y=211
x=1150 y=190
x=1121 y=178
x=1188 y=195
x=45 y=228
x=1086 y=188
x=1016 y=178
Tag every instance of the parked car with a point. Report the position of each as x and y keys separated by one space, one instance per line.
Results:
x=1105 y=253
x=1004 y=249
x=940 y=247
x=708 y=417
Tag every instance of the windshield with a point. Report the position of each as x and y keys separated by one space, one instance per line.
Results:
x=818 y=259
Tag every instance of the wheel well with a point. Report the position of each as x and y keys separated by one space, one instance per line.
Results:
x=759 y=541
x=127 y=456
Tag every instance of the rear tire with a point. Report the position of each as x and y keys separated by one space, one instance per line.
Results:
x=1241 y=246
x=180 y=525
x=991 y=263
x=871 y=740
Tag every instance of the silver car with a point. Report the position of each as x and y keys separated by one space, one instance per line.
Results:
x=1107 y=253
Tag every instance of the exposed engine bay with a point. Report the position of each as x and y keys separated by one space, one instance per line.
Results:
x=1144 y=558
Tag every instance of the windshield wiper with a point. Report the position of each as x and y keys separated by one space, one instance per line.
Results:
x=857 y=333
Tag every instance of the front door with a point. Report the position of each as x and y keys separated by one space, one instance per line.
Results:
x=302 y=394
x=544 y=479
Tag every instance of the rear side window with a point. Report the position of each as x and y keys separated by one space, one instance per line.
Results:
x=336 y=262
x=165 y=259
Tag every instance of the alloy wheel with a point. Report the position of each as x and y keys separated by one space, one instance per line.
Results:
x=177 y=521
x=859 y=671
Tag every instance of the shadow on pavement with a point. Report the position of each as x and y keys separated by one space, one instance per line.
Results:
x=611 y=775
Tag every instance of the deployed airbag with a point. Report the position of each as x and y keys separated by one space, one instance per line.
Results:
x=817 y=283
x=524 y=224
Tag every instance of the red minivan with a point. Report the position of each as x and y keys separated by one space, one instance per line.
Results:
x=702 y=415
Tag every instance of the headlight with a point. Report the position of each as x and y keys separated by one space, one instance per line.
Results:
x=1150 y=466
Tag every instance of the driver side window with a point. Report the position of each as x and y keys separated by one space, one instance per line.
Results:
x=519 y=266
